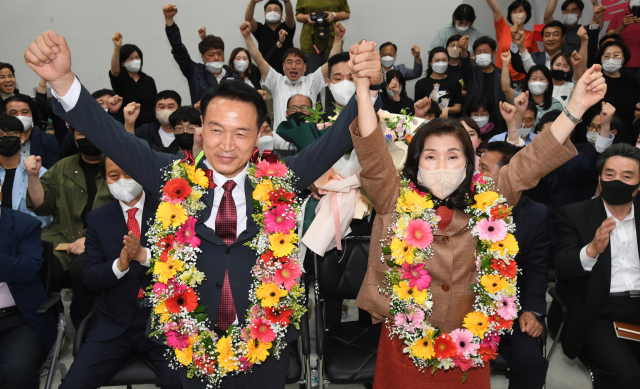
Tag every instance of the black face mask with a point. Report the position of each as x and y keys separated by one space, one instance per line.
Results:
x=184 y=141
x=9 y=145
x=87 y=148
x=616 y=192
x=559 y=75
x=298 y=117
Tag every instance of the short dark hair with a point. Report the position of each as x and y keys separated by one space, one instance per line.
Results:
x=567 y=58
x=389 y=44
x=567 y=3
x=623 y=46
x=548 y=94
x=617 y=150
x=99 y=93
x=465 y=13
x=10 y=123
x=210 y=42
x=336 y=59
x=506 y=149
x=471 y=123
x=615 y=37
x=485 y=40
x=435 y=109
x=296 y=52
x=477 y=102
x=550 y=116
x=168 y=94
x=432 y=53
x=126 y=51
x=35 y=115
x=531 y=106
x=236 y=91
x=555 y=23
x=186 y=113
x=299 y=94
x=515 y=5
x=276 y=2
x=393 y=73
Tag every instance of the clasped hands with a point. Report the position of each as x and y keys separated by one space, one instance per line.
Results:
x=132 y=251
x=365 y=66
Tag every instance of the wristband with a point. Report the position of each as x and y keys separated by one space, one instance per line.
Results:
x=573 y=119
x=335 y=17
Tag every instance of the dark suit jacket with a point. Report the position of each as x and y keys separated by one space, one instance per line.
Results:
x=143 y=165
x=114 y=309
x=533 y=256
x=20 y=264
x=585 y=293
x=149 y=132
x=46 y=146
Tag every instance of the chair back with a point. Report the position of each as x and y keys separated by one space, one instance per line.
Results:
x=340 y=273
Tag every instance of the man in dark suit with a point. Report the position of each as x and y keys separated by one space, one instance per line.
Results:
x=120 y=314
x=598 y=268
x=522 y=349
x=232 y=116
x=25 y=336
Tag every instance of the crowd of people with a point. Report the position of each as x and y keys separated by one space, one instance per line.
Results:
x=549 y=116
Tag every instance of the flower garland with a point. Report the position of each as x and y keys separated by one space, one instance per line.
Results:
x=407 y=281
x=177 y=316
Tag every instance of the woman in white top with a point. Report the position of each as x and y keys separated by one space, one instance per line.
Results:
x=561 y=65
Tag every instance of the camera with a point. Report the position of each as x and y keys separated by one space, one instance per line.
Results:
x=322 y=27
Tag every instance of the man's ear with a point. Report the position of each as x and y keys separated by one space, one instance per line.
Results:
x=328 y=83
x=23 y=138
x=261 y=131
x=614 y=132
x=202 y=56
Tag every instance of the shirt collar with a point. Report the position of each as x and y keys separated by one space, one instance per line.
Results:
x=139 y=205
x=629 y=216
x=219 y=179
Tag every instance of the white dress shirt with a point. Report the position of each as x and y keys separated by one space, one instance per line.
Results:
x=6 y=299
x=625 y=261
x=139 y=206
x=238 y=194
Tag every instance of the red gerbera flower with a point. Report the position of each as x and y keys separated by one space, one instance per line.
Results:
x=280 y=316
x=166 y=243
x=505 y=270
x=187 y=299
x=500 y=322
x=206 y=364
x=177 y=189
x=487 y=354
x=281 y=196
x=499 y=212
x=444 y=347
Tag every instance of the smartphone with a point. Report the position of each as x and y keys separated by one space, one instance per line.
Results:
x=635 y=11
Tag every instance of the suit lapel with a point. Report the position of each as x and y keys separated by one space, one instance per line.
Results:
x=596 y=217
x=252 y=228
x=6 y=229
x=201 y=229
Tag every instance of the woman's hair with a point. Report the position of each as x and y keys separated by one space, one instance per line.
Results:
x=513 y=6
x=464 y=13
x=477 y=102
x=625 y=51
x=548 y=94
x=432 y=53
x=435 y=109
x=249 y=72
x=6 y=65
x=127 y=50
x=441 y=127
x=471 y=123
x=564 y=54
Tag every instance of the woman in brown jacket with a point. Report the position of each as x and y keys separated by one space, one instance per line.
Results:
x=443 y=146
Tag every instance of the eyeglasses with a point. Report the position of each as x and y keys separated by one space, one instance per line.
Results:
x=188 y=130
x=454 y=46
x=295 y=108
x=614 y=56
x=10 y=133
x=594 y=127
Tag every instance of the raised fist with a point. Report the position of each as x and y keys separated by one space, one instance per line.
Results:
x=340 y=30
x=464 y=43
x=422 y=106
x=282 y=35
x=169 y=10
x=365 y=63
x=245 y=29
x=49 y=56
x=521 y=102
x=597 y=12
x=582 y=34
x=506 y=57
x=117 y=39
x=202 y=31
x=575 y=58
x=507 y=111
x=607 y=113
x=131 y=112
x=32 y=165
x=415 y=50
x=263 y=93
x=114 y=103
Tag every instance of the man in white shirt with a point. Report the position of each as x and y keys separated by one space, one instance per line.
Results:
x=598 y=268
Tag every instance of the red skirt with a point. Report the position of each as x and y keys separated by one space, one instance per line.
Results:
x=394 y=369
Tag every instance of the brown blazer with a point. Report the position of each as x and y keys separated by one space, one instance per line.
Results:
x=452 y=268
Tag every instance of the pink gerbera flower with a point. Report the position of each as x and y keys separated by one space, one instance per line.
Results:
x=271 y=169
x=187 y=233
x=491 y=341
x=463 y=362
x=400 y=319
x=286 y=276
x=159 y=288
x=244 y=364
x=417 y=275
x=261 y=330
x=177 y=340
x=419 y=234
x=478 y=178
x=279 y=219
x=493 y=230
x=507 y=308
x=462 y=338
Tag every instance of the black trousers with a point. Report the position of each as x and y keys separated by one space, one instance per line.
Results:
x=524 y=357
x=98 y=361
x=21 y=353
x=616 y=361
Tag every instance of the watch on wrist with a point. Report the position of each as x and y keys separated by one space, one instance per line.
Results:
x=574 y=119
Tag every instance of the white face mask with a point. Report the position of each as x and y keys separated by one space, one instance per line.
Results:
x=241 y=66
x=125 y=189
x=519 y=18
x=214 y=67
x=524 y=132
x=570 y=19
x=343 y=91
x=440 y=67
x=483 y=60
x=442 y=182
x=390 y=92
x=27 y=121
x=265 y=143
x=272 y=17
x=387 y=61
x=163 y=116
x=106 y=109
x=591 y=137
x=133 y=66
x=634 y=3
x=454 y=53
x=612 y=65
x=481 y=120
x=538 y=87
x=461 y=29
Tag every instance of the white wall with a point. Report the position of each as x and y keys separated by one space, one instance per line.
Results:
x=88 y=26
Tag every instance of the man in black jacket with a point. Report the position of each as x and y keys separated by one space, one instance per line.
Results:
x=159 y=133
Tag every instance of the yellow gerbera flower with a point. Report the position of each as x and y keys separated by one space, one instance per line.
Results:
x=258 y=351
x=270 y=294
x=283 y=244
x=508 y=245
x=167 y=270
x=420 y=296
x=185 y=356
x=401 y=252
x=197 y=176
x=161 y=309
x=171 y=214
x=411 y=199
x=485 y=199
x=226 y=358
x=192 y=277
x=423 y=348
x=493 y=283
x=405 y=292
x=477 y=323
x=261 y=192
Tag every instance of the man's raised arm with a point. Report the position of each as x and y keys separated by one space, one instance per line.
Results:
x=263 y=65
x=337 y=47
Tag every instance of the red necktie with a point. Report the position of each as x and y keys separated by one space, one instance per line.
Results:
x=133 y=226
x=226 y=229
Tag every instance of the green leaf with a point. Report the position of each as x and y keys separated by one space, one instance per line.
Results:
x=200 y=317
x=391 y=263
x=199 y=309
x=386 y=250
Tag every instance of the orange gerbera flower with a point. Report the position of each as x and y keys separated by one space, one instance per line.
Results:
x=505 y=270
x=177 y=189
x=500 y=322
x=500 y=212
x=487 y=354
x=444 y=347
x=187 y=299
